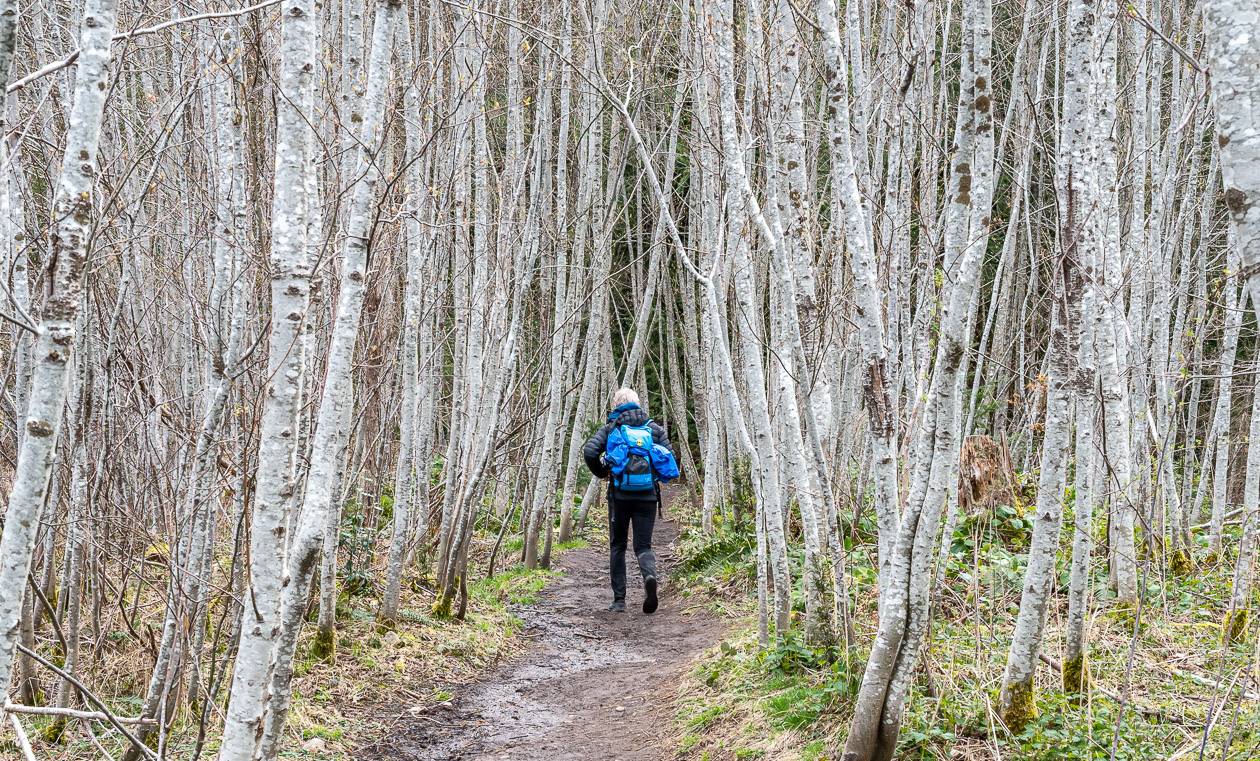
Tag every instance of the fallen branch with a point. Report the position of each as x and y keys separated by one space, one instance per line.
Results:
x=87 y=694
x=1229 y=517
x=1052 y=663
x=74 y=714
x=1203 y=681
x=23 y=742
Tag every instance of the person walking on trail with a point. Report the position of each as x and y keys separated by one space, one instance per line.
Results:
x=633 y=453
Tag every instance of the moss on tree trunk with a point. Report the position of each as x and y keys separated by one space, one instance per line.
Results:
x=1021 y=706
x=1076 y=674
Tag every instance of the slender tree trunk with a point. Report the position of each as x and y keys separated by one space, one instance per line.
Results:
x=332 y=428
x=1233 y=37
x=1017 y=702
x=411 y=473
x=74 y=211
x=290 y=300
x=905 y=609
x=1220 y=436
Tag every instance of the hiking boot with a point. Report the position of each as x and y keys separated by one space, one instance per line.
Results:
x=649 y=588
x=618 y=606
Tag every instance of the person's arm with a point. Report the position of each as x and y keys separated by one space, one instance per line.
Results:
x=593 y=451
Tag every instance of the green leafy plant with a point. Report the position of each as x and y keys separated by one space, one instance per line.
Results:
x=356 y=543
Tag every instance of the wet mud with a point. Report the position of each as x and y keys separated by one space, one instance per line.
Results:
x=590 y=684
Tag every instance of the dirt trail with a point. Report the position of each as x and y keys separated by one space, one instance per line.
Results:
x=590 y=685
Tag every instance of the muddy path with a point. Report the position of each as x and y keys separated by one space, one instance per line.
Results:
x=590 y=683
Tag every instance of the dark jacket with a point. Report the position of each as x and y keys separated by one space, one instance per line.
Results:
x=593 y=450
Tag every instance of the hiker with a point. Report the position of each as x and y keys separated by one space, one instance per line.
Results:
x=633 y=453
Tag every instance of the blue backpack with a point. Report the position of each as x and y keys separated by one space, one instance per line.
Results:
x=636 y=462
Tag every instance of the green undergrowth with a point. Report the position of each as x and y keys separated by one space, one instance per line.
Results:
x=336 y=706
x=344 y=685
x=745 y=701
x=514 y=586
x=421 y=659
x=790 y=701
x=724 y=558
x=574 y=543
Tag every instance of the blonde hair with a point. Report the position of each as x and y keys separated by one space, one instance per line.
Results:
x=624 y=395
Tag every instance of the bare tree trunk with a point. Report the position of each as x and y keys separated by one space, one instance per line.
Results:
x=411 y=473
x=331 y=431
x=290 y=297
x=1220 y=435
x=75 y=213
x=1017 y=701
x=905 y=609
x=740 y=201
x=1233 y=36
x=877 y=388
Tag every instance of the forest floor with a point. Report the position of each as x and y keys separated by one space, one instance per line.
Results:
x=792 y=701
x=539 y=669
x=588 y=684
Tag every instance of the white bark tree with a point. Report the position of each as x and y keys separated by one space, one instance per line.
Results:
x=74 y=209
x=1017 y=701
x=906 y=607
x=1233 y=37
x=261 y=623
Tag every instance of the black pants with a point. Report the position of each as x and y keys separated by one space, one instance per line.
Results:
x=621 y=513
